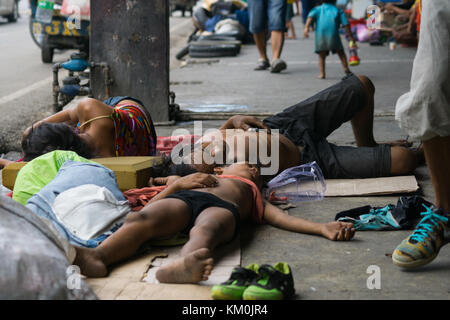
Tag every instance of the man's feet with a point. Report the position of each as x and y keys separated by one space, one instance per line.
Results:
x=90 y=263
x=193 y=268
x=321 y=76
x=277 y=66
x=262 y=65
x=420 y=248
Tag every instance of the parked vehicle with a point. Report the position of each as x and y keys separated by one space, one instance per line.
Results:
x=9 y=9
x=59 y=34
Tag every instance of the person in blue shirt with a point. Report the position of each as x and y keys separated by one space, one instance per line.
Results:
x=328 y=19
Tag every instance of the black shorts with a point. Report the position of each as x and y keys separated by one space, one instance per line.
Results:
x=198 y=201
x=311 y=121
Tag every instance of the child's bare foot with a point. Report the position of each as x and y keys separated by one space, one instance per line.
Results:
x=340 y=231
x=90 y=263
x=193 y=268
x=321 y=76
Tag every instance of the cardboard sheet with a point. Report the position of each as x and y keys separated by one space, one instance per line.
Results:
x=134 y=279
x=372 y=186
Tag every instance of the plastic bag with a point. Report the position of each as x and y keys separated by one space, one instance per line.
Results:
x=301 y=183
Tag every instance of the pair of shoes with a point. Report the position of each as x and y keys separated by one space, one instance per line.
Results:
x=257 y=283
x=423 y=245
x=277 y=66
x=262 y=65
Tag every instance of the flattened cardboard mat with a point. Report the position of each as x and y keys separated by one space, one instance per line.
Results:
x=135 y=279
x=371 y=186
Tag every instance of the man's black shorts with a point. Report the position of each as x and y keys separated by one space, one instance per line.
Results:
x=311 y=121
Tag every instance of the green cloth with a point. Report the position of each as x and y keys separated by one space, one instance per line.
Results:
x=39 y=172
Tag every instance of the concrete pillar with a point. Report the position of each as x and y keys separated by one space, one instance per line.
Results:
x=132 y=37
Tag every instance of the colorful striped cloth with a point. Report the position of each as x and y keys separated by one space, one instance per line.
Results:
x=133 y=134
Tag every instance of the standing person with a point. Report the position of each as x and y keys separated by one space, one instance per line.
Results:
x=307 y=6
x=424 y=112
x=289 y=24
x=328 y=19
x=268 y=16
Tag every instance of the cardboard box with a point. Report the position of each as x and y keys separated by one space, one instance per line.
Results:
x=131 y=172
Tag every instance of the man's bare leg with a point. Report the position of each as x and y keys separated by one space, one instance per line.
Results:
x=437 y=154
x=403 y=160
x=160 y=219
x=213 y=227
x=277 y=39
x=362 y=122
x=261 y=44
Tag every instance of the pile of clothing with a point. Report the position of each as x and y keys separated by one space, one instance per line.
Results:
x=390 y=217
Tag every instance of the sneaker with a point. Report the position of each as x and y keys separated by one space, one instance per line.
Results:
x=420 y=248
x=273 y=283
x=234 y=287
x=262 y=65
x=277 y=66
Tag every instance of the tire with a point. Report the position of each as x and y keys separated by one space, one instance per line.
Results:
x=180 y=55
x=37 y=38
x=213 y=51
x=216 y=37
x=15 y=15
x=46 y=52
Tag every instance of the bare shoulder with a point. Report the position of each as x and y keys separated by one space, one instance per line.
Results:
x=89 y=108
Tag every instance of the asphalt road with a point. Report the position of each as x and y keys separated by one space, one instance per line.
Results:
x=25 y=82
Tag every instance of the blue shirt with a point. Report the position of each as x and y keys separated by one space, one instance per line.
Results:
x=328 y=20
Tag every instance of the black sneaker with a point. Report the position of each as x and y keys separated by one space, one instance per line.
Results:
x=277 y=66
x=262 y=65
x=234 y=287
x=273 y=283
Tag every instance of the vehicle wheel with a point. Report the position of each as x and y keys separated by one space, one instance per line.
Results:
x=15 y=15
x=212 y=51
x=182 y=52
x=46 y=52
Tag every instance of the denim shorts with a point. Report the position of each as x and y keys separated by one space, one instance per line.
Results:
x=73 y=174
x=310 y=122
x=265 y=14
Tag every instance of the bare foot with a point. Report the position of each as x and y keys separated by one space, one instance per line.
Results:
x=321 y=76
x=90 y=263
x=193 y=268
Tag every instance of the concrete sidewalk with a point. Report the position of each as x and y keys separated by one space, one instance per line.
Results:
x=322 y=269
